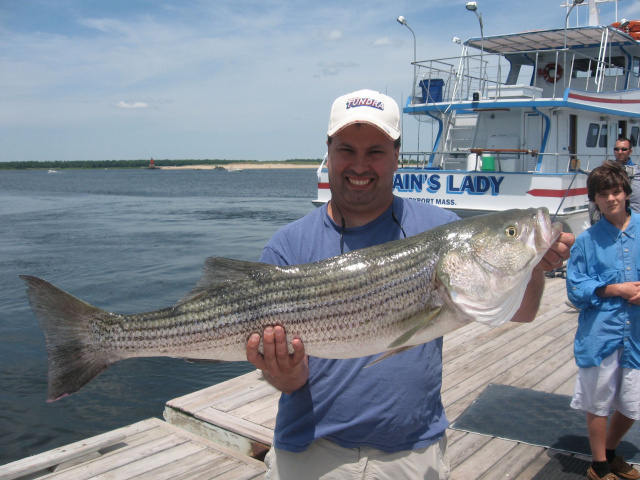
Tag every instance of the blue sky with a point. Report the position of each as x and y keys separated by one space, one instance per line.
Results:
x=230 y=79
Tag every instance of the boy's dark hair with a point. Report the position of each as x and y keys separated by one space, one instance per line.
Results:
x=608 y=175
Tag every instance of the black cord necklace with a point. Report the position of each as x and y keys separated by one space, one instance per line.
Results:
x=343 y=227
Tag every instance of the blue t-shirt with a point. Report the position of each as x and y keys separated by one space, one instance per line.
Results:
x=604 y=255
x=392 y=406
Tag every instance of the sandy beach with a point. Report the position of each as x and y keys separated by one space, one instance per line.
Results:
x=241 y=166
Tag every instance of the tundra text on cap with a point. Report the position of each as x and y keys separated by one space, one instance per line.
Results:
x=365 y=106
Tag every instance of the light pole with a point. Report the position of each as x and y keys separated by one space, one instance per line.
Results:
x=403 y=21
x=473 y=7
x=566 y=20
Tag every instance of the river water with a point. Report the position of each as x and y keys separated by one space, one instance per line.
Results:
x=126 y=241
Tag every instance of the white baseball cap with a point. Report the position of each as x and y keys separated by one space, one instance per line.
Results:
x=365 y=106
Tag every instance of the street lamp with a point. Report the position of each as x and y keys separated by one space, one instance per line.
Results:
x=566 y=20
x=473 y=7
x=402 y=21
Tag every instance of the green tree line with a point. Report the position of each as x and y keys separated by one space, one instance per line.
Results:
x=62 y=164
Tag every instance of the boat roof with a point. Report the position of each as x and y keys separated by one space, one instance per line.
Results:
x=576 y=37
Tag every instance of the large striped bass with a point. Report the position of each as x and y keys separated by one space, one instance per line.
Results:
x=385 y=298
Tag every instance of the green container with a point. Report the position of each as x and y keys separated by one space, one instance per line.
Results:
x=488 y=163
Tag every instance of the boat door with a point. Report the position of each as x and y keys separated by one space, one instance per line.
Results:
x=532 y=137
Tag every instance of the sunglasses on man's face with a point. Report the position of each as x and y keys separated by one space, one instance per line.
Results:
x=620 y=148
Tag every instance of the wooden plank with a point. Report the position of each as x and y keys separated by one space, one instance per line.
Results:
x=262 y=411
x=238 y=425
x=208 y=470
x=203 y=398
x=239 y=398
x=478 y=376
x=465 y=446
x=151 y=449
x=241 y=472
x=51 y=459
x=201 y=459
x=514 y=462
x=484 y=350
x=540 y=365
x=214 y=433
x=114 y=460
x=477 y=464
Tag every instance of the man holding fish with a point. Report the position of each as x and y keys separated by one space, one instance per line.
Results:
x=337 y=418
x=366 y=274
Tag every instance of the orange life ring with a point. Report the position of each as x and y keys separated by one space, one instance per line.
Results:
x=552 y=72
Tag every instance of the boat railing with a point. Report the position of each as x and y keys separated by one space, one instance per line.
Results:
x=540 y=74
x=501 y=160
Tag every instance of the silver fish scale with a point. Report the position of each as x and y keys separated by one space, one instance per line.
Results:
x=355 y=296
x=347 y=306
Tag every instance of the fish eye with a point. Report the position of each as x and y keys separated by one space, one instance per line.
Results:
x=511 y=231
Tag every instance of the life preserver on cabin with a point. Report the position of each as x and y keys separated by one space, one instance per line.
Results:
x=632 y=27
x=552 y=72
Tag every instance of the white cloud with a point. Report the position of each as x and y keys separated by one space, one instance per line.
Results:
x=334 y=35
x=132 y=105
x=382 y=42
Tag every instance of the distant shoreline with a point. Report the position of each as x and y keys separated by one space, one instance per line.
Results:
x=161 y=164
x=239 y=166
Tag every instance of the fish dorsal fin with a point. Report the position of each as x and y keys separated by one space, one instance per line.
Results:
x=417 y=322
x=389 y=353
x=218 y=271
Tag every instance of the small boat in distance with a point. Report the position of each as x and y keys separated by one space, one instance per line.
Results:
x=53 y=170
x=520 y=118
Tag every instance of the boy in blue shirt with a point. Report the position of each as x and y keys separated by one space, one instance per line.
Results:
x=603 y=282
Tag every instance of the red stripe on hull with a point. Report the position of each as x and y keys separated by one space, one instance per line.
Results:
x=541 y=192
x=323 y=186
x=601 y=100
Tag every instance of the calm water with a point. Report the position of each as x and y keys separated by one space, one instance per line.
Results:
x=126 y=241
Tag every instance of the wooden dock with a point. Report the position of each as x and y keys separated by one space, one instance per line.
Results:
x=241 y=412
x=147 y=450
x=220 y=431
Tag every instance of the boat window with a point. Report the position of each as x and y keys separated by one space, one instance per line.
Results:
x=614 y=67
x=584 y=67
x=603 y=137
x=634 y=136
x=592 y=135
x=636 y=66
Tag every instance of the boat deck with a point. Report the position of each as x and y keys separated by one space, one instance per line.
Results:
x=221 y=431
x=241 y=412
x=150 y=449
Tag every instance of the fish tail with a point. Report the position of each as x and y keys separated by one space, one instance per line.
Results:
x=75 y=358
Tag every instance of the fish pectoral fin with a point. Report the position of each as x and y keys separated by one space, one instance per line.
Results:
x=388 y=354
x=421 y=321
x=218 y=271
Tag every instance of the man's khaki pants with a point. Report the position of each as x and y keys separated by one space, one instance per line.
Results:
x=329 y=461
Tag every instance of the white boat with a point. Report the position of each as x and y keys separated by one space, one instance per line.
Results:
x=520 y=119
x=53 y=170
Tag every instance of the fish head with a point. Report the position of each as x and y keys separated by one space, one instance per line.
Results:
x=486 y=265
